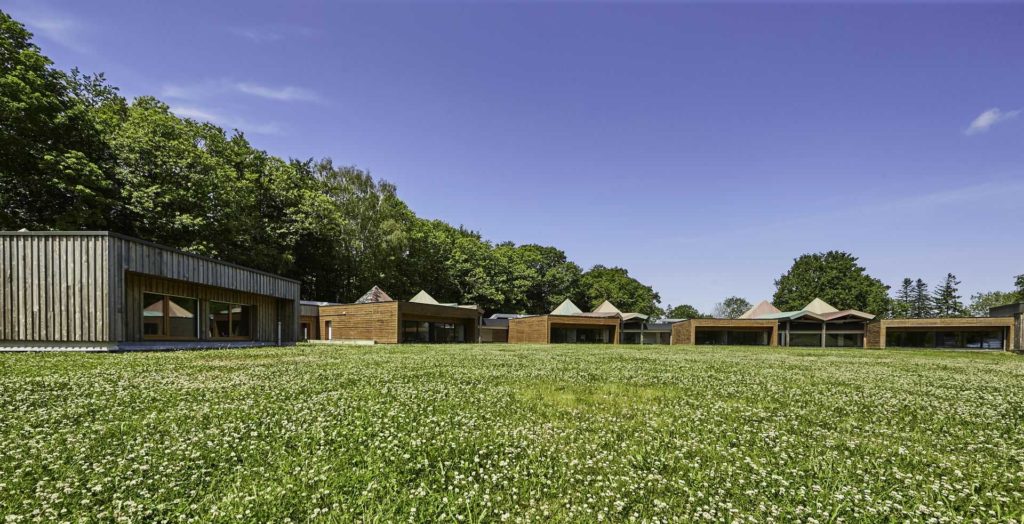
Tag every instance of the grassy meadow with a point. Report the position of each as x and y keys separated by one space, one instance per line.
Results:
x=512 y=433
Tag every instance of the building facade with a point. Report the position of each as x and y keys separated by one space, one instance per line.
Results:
x=101 y=291
x=376 y=318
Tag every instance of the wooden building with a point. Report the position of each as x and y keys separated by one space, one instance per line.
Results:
x=101 y=291
x=567 y=324
x=949 y=333
x=378 y=319
x=725 y=332
x=1016 y=312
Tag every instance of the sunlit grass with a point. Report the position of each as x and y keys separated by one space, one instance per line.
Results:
x=517 y=433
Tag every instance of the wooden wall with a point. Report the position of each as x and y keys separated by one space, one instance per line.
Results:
x=685 y=333
x=264 y=328
x=54 y=288
x=529 y=330
x=376 y=321
x=878 y=340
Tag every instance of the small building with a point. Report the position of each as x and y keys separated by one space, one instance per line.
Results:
x=725 y=332
x=1016 y=312
x=102 y=291
x=566 y=324
x=495 y=327
x=309 y=319
x=948 y=333
x=377 y=318
x=818 y=324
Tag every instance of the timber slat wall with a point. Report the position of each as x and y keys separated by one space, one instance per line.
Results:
x=685 y=333
x=54 y=288
x=71 y=286
x=375 y=321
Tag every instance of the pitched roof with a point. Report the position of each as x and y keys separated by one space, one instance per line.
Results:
x=761 y=309
x=423 y=298
x=567 y=308
x=375 y=294
x=819 y=307
x=606 y=307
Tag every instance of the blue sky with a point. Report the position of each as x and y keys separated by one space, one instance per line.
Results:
x=703 y=147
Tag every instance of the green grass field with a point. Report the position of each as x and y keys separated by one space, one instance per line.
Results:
x=516 y=433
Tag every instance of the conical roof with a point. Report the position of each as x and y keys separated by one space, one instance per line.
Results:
x=374 y=295
x=567 y=308
x=819 y=307
x=423 y=298
x=606 y=307
x=762 y=308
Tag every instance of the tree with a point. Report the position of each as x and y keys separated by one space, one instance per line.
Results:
x=921 y=301
x=982 y=302
x=731 y=307
x=834 y=277
x=902 y=304
x=1018 y=282
x=614 y=284
x=683 y=311
x=946 y=299
x=54 y=163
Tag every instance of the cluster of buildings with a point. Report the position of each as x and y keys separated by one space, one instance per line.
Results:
x=101 y=291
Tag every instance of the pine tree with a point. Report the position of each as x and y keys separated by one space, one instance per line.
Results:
x=920 y=300
x=902 y=305
x=947 y=298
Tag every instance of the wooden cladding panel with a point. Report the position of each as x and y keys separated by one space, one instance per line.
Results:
x=529 y=330
x=54 y=288
x=268 y=310
x=142 y=257
x=685 y=332
x=377 y=322
x=873 y=335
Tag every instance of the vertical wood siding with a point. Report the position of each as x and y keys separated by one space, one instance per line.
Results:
x=54 y=288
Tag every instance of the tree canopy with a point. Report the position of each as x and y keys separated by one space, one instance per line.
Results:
x=834 y=277
x=732 y=307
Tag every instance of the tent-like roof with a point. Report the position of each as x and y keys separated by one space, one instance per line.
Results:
x=761 y=309
x=606 y=307
x=374 y=295
x=817 y=309
x=423 y=298
x=820 y=307
x=567 y=308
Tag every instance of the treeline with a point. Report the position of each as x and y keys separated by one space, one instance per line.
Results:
x=75 y=155
x=914 y=300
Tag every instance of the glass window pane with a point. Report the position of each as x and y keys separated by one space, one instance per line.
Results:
x=152 y=315
x=220 y=320
x=240 y=320
x=181 y=317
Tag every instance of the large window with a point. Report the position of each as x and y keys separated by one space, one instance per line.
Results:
x=168 y=317
x=992 y=339
x=568 y=335
x=729 y=337
x=844 y=340
x=230 y=321
x=417 y=331
x=805 y=339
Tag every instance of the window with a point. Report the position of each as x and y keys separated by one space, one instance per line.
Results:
x=231 y=321
x=560 y=335
x=945 y=339
x=167 y=317
x=805 y=339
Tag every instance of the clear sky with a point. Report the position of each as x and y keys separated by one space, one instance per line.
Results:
x=703 y=147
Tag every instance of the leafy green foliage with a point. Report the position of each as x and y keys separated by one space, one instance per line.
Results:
x=683 y=311
x=54 y=163
x=834 y=277
x=732 y=307
x=614 y=284
x=983 y=301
